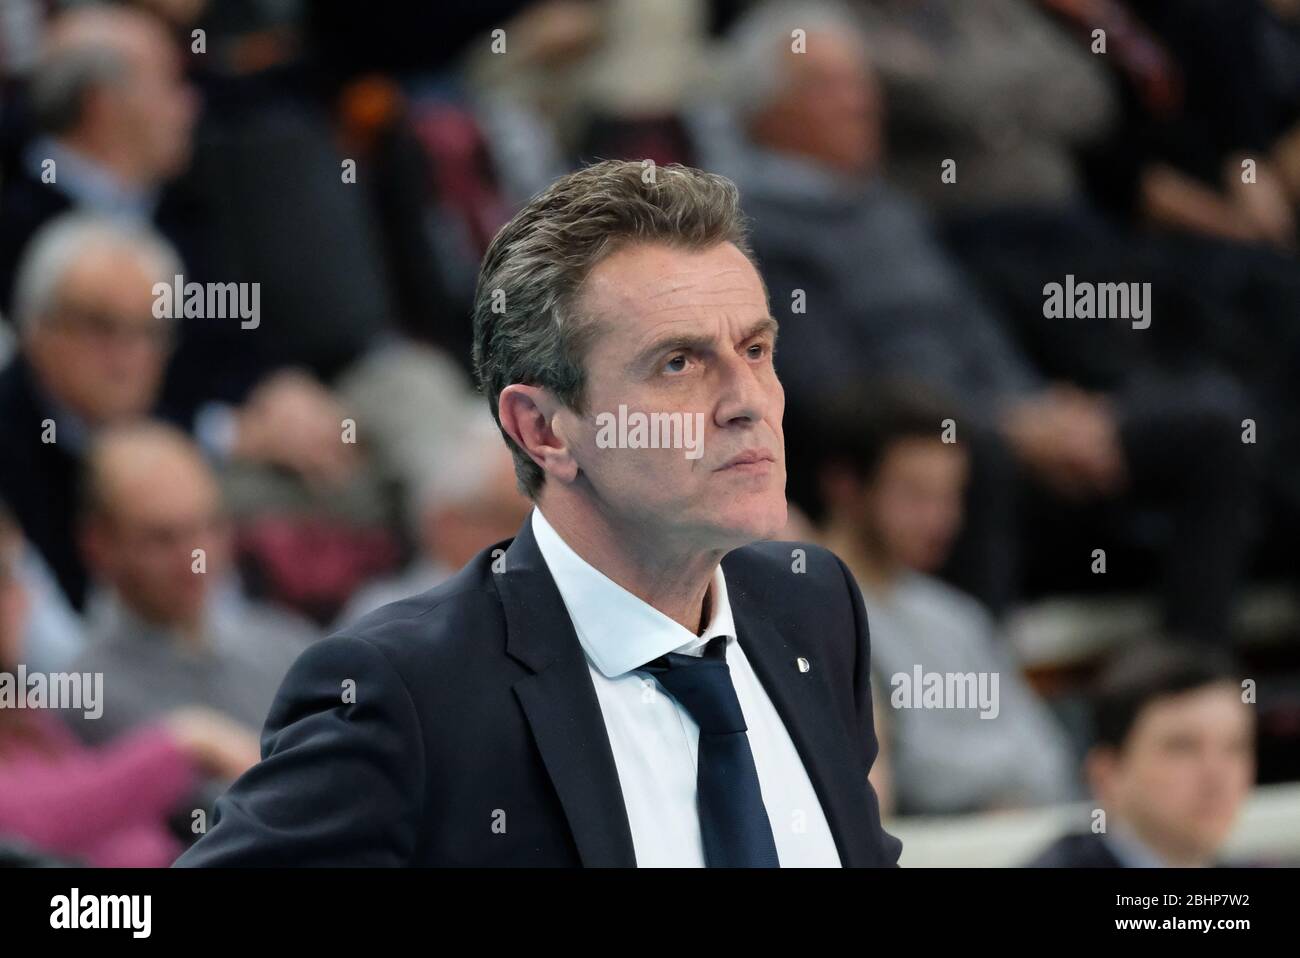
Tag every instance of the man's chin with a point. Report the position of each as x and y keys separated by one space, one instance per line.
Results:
x=757 y=525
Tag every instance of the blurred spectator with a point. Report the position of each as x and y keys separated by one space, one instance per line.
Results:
x=308 y=181
x=1198 y=168
x=891 y=492
x=469 y=502
x=1197 y=100
x=92 y=352
x=115 y=134
x=1061 y=159
x=1058 y=149
x=107 y=806
x=413 y=401
x=1173 y=765
x=838 y=243
x=114 y=121
x=994 y=85
x=170 y=631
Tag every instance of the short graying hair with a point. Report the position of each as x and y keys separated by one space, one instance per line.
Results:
x=528 y=327
x=755 y=67
x=62 y=242
x=87 y=48
x=63 y=78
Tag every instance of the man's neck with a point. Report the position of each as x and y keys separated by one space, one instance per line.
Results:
x=671 y=577
x=190 y=633
x=107 y=161
x=94 y=178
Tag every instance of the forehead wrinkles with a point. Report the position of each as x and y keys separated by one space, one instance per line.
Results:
x=682 y=290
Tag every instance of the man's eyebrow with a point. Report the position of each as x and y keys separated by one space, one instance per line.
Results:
x=767 y=324
x=698 y=343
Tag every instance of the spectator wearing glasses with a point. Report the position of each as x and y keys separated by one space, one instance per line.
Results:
x=92 y=352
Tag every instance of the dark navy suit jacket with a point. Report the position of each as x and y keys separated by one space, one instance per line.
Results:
x=1085 y=850
x=461 y=726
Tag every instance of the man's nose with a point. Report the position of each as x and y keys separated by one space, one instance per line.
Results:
x=744 y=396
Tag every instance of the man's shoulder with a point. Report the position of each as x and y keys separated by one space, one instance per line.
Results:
x=773 y=553
x=464 y=614
x=1081 y=850
x=28 y=205
x=31 y=202
x=453 y=613
x=782 y=574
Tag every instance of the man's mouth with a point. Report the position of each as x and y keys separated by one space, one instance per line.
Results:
x=750 y=460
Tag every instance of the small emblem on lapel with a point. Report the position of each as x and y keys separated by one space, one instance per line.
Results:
x=804 y=664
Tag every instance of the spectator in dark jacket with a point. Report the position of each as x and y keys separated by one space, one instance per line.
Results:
x=865 y=289
x=92 y=352
x=1173 y=763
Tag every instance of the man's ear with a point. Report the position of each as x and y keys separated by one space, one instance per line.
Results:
x=528 y=415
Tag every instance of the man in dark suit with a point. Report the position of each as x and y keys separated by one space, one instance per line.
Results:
x=634 y=679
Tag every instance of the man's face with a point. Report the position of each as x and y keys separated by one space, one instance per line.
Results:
x=913 y=507
x=686 y=334
x=143 y=545
x=833 y=107
x=102 y=352
x=1186 y=768
x=154 y=107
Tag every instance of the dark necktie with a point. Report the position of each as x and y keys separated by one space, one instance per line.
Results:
x=733 y=821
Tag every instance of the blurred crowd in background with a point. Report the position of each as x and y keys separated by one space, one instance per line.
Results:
x=916 y=173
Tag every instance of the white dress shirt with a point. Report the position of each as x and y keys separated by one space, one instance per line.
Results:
x=655 y=740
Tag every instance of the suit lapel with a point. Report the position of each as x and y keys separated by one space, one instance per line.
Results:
x=561 y=708
x=803 y=701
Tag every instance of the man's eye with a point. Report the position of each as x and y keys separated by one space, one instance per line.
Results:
x=757 y=350
x=676 y=364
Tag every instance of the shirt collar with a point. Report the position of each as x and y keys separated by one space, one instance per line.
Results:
x=1130 y=849
x=618 y=631
x=789 y=176
x=89 y=183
